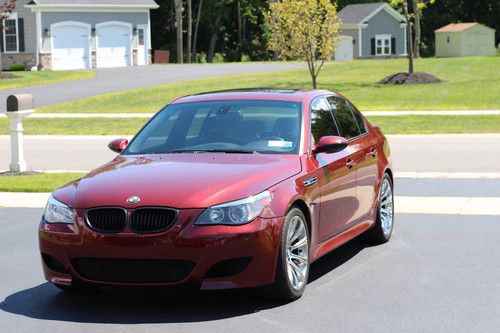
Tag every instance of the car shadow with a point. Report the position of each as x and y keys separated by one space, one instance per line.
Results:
x=136 y=306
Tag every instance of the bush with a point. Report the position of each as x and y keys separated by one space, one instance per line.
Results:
x=17 y=68
x=200 y=58
x=245 y=58
x=218 y=58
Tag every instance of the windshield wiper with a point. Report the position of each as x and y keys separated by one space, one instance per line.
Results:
x=226 y=151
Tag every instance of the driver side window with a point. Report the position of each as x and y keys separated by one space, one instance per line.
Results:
x=322 y=122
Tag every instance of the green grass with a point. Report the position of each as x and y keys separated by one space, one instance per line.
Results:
x=411 y=124
x=27 y=79
x=75 y=126
x=46 y=182
x=471 y=83
x=438 y=124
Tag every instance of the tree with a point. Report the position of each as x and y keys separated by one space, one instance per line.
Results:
x=5 y=10
x=178 y=25
x=304 y=30
x=418 y=7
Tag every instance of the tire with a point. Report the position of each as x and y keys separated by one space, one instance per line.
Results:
x=292 y=270
x=381 y=232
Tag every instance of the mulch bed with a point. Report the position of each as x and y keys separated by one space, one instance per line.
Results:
x=406 y=78
x=26 y=173
x=8 y=76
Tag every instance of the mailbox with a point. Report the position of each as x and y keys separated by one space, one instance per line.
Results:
x=20 y=102
x=18 y=107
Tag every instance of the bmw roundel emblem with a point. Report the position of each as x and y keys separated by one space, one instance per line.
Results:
x=133 y=200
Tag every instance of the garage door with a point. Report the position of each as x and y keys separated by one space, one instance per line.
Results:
x=70 y=45
x=114 y=41
x=344 y=49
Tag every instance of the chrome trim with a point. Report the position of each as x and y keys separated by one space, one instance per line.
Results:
x=310 y=181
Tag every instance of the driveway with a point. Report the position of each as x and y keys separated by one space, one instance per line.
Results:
x=126 y=78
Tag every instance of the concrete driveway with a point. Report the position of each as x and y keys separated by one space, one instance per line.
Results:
x=119 y=79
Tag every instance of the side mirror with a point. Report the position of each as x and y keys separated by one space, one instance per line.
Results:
x=118 y=145
x=331 y=144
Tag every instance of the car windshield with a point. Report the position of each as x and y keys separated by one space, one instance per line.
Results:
x=234 y=126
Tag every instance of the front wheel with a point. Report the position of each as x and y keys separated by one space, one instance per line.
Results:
x=382 y=230
x=292 y=270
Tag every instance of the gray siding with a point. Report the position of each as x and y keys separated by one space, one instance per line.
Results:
x=354 y=33
x=29 y=25
x=383 y=23
x=91 y=18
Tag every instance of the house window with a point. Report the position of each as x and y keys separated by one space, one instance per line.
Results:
x=10 y=37
x=382 y=45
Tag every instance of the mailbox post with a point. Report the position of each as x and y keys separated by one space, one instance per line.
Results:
x=18 y=107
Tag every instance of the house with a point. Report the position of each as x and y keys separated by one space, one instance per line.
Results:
x=78 y=34
x=371 y=30
x=465 y=39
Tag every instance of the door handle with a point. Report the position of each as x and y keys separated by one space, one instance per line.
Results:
x=373 y=152
x=349 y=163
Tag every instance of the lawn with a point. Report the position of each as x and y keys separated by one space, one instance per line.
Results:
x=411 y=124
x=471 y=84
x=27 y=79
x=76 y=126
x=46 y=182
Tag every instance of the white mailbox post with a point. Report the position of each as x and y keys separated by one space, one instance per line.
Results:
x=18 y=107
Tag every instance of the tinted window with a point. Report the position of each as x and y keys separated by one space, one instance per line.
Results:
x=232 y=125
x=322 y=123
x=345 y=119
x=359 y=118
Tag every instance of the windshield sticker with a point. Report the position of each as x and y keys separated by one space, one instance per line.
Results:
x=279 y=144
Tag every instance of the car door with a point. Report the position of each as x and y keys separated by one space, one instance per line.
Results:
x=367 y=166
x=364 y=164
x=335 y=176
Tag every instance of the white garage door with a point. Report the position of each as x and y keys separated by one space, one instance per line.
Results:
x=70 y=45
x=114 y=41
x=344 y=49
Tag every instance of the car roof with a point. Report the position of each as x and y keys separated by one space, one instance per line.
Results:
x=271 y=94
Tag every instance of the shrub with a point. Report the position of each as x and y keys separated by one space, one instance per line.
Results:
x=200 y=58
x=17 y=68
x=218 y=58
x=245 y=58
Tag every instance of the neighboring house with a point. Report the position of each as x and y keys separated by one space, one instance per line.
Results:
x=371 y=30
x=78 y=34
x=465 y=39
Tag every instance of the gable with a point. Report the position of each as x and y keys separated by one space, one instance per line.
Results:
x=361 y=13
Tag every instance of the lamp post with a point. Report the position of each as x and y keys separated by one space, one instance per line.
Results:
x=18 y=107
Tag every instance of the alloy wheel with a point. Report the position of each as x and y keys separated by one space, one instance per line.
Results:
x=386 y=207
x=297 y=253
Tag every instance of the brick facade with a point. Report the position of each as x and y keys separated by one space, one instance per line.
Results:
x=27 y=59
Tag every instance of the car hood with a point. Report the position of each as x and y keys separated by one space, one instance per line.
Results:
x=179 y=180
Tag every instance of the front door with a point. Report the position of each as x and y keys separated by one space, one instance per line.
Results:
x=142 y=48
x=335 y=175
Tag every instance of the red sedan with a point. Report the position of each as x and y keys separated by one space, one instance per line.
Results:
x=229 y=189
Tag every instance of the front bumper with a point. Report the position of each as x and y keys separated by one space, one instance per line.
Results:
x=207 y=247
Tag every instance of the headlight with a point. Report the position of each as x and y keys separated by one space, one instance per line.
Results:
x=57 y=212
x=236 y=212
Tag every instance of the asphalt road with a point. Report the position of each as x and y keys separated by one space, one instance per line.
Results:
x=411 y=153
x=439 y=273
x=118 y=79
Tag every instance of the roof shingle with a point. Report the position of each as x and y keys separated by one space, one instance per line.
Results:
x=457 y=27
x=354 y=14
x=146 y=3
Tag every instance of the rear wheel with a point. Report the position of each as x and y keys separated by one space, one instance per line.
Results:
x=292 y=270
x=382 y=230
